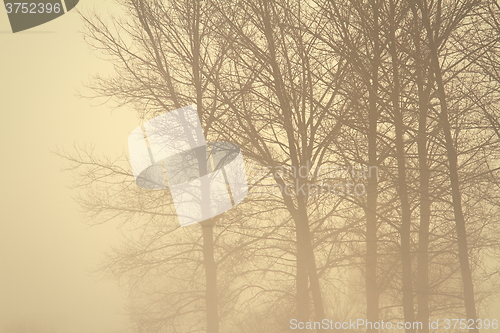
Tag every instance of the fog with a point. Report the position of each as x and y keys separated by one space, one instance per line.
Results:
x=418 y=243
x=47 y=254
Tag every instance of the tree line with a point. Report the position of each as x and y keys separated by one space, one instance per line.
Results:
x=410 y=88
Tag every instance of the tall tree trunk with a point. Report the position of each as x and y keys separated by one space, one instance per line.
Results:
x=211 y=296
x=424 y=175
x=463 y=253
x=372 y=292
x=299 y=214
x=424 y=225
x=304 y=229
x=402 y=188
x=301 y=275
x=301 y=279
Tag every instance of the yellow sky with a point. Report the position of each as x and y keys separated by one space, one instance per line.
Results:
x=45 y=249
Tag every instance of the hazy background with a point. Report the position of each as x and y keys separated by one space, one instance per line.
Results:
x=46 y=252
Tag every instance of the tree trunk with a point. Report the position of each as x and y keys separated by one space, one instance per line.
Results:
x=463 y=253
x=299 y=214
x=303 y=228
x=372 y=292
x=211 y=296
x=402 y=188
x=424 y=175
x=302 y=288
x=301 y=275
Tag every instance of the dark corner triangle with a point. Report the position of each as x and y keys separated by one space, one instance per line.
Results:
x=70 y=4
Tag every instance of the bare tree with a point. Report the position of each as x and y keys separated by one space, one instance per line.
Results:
x=302 y=87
